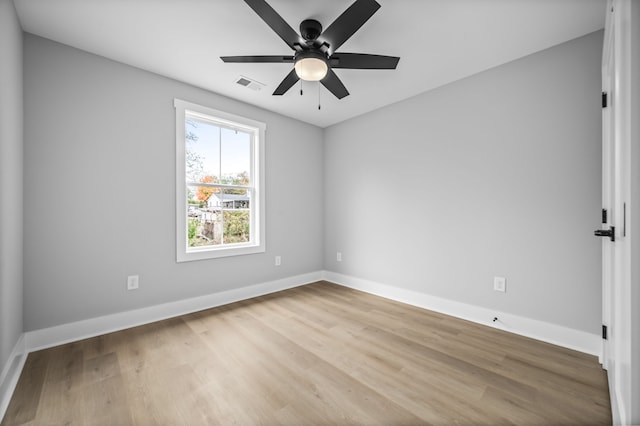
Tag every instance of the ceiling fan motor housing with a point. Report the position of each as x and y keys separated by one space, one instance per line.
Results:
x=310 y=29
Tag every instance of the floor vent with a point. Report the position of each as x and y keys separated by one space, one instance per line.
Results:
x=251 y=84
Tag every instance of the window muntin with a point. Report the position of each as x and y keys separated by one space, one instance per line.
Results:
x=220 y=178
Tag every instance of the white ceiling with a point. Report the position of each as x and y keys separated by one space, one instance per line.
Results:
x=438 y=41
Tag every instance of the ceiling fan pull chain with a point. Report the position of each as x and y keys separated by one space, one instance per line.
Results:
x=301 y=87
x=319 y=96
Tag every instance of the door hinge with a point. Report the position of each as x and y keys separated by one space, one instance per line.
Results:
x=604 y=215
x=604 y=100
x=604 y=332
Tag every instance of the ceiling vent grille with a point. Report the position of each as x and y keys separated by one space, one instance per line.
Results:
x=249 y=83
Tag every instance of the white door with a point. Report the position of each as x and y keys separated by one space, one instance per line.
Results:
x=608 y=190
x=616 y=168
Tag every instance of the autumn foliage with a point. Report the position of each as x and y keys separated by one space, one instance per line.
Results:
x=205 y=192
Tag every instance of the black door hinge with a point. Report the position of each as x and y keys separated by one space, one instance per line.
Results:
x=604 y=99
x=604 y=215
x=604 y=332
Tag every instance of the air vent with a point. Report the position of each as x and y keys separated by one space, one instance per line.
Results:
x=249 y=83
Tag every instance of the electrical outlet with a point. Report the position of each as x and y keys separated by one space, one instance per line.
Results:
x=339 y=257
x=132 y=282
x=500 y=284
x=278 y=260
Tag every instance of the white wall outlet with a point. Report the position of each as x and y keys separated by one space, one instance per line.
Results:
x=339 y=257
x=132 y=282
x=278 y=260
x=500 y=284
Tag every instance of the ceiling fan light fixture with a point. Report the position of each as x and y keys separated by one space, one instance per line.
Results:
x=311 y=68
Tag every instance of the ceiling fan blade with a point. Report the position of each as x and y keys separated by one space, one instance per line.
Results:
x=291 y=79
x=364 y=61
x=348 y=23
x=334 y=85
x=258 y=58
x=276 y=22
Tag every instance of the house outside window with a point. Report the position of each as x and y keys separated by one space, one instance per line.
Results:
x=219 y=183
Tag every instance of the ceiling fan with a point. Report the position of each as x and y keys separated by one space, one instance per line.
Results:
x=315 y=55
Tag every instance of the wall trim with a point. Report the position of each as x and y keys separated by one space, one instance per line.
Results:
x=71 y=332
x=551 y=333
x=11 y=373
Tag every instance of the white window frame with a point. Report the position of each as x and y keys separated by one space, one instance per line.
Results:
x=257 y=206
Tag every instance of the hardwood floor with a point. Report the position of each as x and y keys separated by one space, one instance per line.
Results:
x=314 y=355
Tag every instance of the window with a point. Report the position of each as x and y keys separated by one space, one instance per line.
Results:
x=219 y=183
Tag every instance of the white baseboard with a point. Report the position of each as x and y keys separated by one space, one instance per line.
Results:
x=65 y=333
x=551 y=333
x=11 y=373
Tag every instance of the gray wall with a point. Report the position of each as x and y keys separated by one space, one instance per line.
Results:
x=100 y=190
x=496 y=174
x=11 y=167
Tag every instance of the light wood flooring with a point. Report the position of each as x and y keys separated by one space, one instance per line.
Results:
x=314 y=355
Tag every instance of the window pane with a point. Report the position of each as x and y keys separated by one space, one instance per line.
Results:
x=236 y=157
x=204 y=226
x=222 y=217
x=236 y=226
x=236 y=217
x=202 y=151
